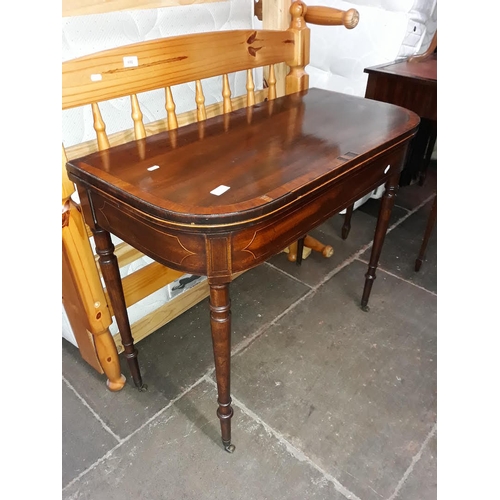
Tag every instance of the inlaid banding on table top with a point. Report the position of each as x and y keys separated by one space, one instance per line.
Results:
x=298 y=151
x=391 y=156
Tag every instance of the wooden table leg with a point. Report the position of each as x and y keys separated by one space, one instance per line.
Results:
x=428 y=230
x=346 y=227
x=220 y=322
x=384 y=215
x=111 y=274
x=300 y=250
x=428 y=154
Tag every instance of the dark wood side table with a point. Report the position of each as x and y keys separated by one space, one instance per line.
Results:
x=221 y=196
x=411 y=85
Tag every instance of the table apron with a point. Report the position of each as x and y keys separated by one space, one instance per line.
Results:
x=419 y=96
x=220 y=252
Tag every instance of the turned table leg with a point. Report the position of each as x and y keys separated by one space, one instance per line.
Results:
x=300 y=250
x=384 y=215
x=428 y=154
x=428 y=230
x=346 y=227
x=111 y=274
x=220 y=322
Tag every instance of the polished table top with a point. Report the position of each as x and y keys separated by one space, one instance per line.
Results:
x=268 y=156
x=425 y=70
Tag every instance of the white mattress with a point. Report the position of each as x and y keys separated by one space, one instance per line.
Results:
x=387 y=30
x=82 y=35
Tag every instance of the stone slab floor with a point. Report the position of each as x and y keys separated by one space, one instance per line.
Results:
x=330 y=402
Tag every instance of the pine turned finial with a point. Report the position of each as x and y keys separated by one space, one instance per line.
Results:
x=298 y=11
x=351 y=19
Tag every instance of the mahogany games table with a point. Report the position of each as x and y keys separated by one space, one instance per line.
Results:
x=221 y=196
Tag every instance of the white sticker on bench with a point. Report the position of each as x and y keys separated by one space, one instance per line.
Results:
x=154 y=167
x=130 y=62
x=219 y=190
x=387 y=169
x=96 y=77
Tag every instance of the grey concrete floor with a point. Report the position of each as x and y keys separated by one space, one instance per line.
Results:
x=330 y=402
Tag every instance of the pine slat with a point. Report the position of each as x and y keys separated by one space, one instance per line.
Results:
x=226 y=94
x=170 y=108
x=186 y=118
x=100 y=128
x=139 y=130
x=145 y=281
x=250 y=86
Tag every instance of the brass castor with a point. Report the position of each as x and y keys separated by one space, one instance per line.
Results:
x=143 y=388
x=229 y=447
